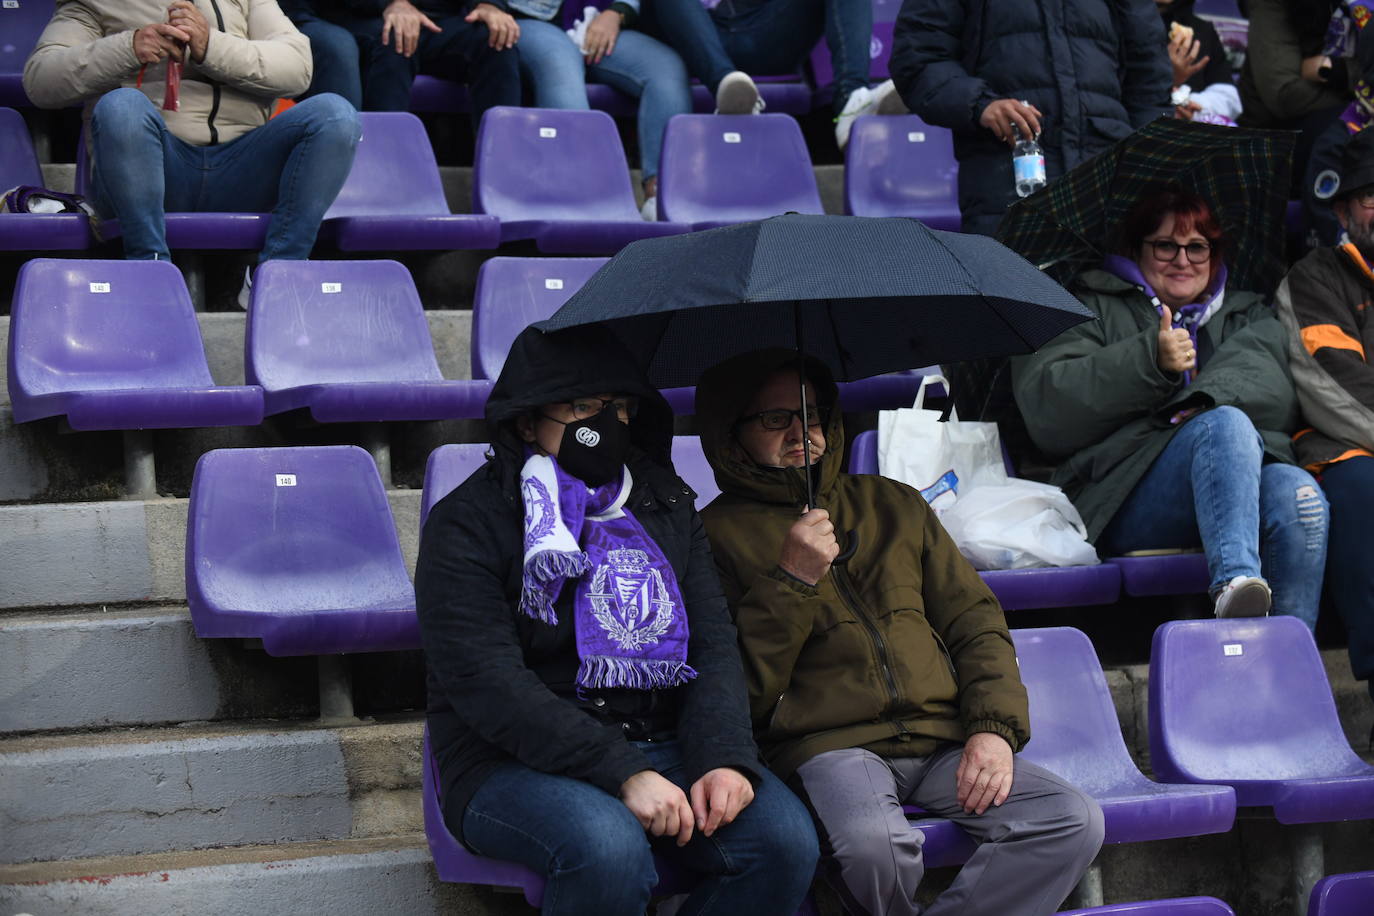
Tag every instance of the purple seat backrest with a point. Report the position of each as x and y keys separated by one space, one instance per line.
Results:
x=394 y=171
x=18 y=162
x=448 y=466
x=336 y=321
x=1226 y=8
x=283 y=530
x=93 y=325
x=734 y=168
x=1075 y=731
x=1242 y=699
x=1342 y=895
x=20 y=25
x=537 y=163
x=1179 y=906
x=897 y=165
x=515 y=292
x=863 y=453
x=691 y=465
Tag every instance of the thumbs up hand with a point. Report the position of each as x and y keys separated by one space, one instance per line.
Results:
x=1176 y=353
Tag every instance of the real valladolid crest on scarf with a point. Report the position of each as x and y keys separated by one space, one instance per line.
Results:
x=628 y=612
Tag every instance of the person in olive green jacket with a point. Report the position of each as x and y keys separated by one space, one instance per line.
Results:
x=1171 y=415
x=879 y=666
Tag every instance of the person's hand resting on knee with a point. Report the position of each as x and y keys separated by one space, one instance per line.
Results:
x=984 y=774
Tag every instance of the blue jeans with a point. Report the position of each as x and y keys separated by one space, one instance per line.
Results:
x=639 y=66
x=1349 y=487
x=598 y=860
x=335 y=53
x=292 y=166
x=1210 y=488
x=770 y=39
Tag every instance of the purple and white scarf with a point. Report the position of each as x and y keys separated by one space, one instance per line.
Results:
x=628 y=613
x=1190 y=317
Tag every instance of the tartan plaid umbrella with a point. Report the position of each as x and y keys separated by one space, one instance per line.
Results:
x=1242 y=173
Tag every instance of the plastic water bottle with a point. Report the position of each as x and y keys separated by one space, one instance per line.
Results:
x=1027 y=164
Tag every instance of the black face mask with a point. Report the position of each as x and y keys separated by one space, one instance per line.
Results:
x=593 y=450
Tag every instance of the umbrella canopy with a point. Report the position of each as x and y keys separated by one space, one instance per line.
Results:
x=1243 y=174
x=864 y=295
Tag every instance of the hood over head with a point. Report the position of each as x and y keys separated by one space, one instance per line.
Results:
x=575 y=362
x=723 y=395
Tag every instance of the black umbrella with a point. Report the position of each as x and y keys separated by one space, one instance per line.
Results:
x=865 y=296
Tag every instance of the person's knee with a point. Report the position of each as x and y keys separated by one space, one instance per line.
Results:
x=1292 y=498
x=122 y=113
x=610 y=848
x=332 y=119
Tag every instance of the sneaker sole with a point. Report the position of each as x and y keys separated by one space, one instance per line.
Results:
x=737 y=99
x=890 y=103
x=1249 y=600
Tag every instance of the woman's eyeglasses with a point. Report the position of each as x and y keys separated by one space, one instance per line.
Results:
x=1167 y=250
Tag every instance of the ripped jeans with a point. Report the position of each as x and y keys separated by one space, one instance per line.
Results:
x=1209 y=488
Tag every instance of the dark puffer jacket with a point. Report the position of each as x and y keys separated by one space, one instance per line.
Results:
x=1096 y=69
x=501 y=685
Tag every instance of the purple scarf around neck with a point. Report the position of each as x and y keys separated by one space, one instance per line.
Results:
x=628 y=613
x=1190 y=317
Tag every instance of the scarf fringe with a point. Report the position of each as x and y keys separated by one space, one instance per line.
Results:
x=605 y=671
x=543 y=568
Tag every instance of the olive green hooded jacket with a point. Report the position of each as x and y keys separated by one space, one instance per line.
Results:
x=900 y=646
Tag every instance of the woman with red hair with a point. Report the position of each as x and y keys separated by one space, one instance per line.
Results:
x=1172 y=415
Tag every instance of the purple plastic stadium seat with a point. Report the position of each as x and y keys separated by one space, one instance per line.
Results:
x=1163 y=574
x=560 y=178
x=296 y=547
x=21 y=23
x=897 y=165
x=691 y=465
x=1076 y=734
x=716 y=170
x=1343 y=895
x=1224 y=8
x=433 y=95
x=115 y=345
x=349 y=340
x=1179 y=906
x=18 y=166
x=1246 y=703
x=448 y=466
x=513 y=293
x=393 y=199
x=204 y=231
x=1020 y=589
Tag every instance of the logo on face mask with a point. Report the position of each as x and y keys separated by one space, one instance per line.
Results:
x=588 y=437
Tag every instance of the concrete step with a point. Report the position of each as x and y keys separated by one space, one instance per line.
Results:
x=356 y=877
x=152 y=790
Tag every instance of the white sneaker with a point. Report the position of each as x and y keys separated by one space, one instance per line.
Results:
x=737 y=95
x=1244 y=596
x=882 y=99
x=246 y=291
x=649 y=210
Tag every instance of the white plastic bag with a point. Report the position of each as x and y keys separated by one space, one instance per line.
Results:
x=1018 y=524
x=944 y=460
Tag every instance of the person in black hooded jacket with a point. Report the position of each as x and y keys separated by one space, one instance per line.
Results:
x=1198 y=60
x=578 y=720
x=1086 y=72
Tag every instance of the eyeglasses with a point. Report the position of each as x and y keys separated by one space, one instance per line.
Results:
x=1167 y=250
x=586 y=408
x=782 y=418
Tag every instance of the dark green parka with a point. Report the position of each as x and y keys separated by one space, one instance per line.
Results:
x=900 y=646
x=1096 y=399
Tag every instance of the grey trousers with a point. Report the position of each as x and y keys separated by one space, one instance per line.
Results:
x=1032 y=850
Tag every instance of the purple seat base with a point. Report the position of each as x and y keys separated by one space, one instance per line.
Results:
x=45 y=232
x=1342 y=895
x=151 y=408
x=433 y=232
x=316 y=632
x=216 y=231
x=585 y=236
x=366 y=402
x=1054 y=586
x=1144 y=810
x=1346 y=797
x=1166 y=574
x=1178 y=906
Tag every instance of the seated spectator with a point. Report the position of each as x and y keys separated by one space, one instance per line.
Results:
x=453 y=40
x=1323 y=304
x=335 y=51
x=1202 y=75
x=1080 y=75
x=723 y=41
x=586 y=703
x=209 y=145
x=613 y=52
x=879 y=666
x=1172 y=415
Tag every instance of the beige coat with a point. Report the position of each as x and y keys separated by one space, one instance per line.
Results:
x=254 y=56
